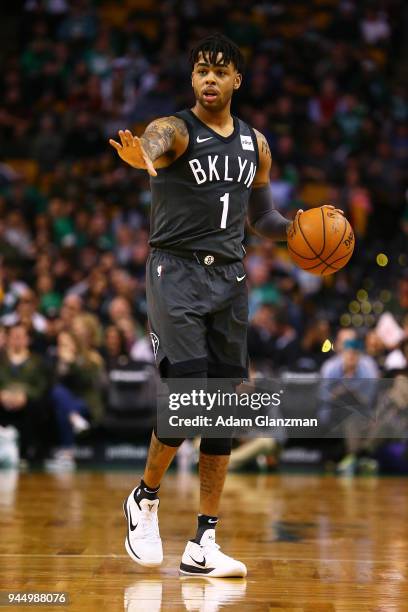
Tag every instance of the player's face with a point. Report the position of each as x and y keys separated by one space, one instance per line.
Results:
x=214 y=84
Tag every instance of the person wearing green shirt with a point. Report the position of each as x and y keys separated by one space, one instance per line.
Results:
x=23 y=390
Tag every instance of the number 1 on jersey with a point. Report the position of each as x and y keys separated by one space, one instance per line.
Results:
x=225 y=200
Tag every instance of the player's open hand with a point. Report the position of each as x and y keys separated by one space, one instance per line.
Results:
x=130 y=149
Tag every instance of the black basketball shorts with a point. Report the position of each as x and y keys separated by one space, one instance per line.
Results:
x=198 y=316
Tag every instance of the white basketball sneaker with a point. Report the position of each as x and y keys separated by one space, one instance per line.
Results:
x=143 y=542
x=206 y=559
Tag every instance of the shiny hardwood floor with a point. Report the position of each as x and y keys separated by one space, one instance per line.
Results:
x=311 y=543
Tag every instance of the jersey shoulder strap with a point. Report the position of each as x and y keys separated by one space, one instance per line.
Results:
x=193 y=124
x=186 y=116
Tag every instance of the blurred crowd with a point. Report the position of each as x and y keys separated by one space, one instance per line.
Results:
x=324 y=82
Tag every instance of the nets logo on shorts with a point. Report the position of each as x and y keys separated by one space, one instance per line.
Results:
x=155 y=342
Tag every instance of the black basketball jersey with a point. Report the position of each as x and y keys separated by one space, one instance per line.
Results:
x=199 y=202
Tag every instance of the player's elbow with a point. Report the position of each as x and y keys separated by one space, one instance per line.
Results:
x=270 y=224
x=255 y=224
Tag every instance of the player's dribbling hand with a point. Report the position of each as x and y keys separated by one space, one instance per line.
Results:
x=337 y=210
x=132 y=151
x=299 y=212
x=329 y=206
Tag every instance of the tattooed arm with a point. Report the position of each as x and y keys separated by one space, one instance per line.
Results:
x=163 y=141
x=263 y=217
x=262 y=177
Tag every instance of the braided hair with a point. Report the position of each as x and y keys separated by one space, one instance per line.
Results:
x=212 y=45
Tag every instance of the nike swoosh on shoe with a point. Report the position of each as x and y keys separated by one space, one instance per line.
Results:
x=132 y=527
x=202 y=563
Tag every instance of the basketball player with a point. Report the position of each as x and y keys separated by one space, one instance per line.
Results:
x=209 y=171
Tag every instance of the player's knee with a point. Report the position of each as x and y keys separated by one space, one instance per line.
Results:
x=233 y=373
x=216 y=446
x=174 y=380
x=174 y=442
x=193 y=368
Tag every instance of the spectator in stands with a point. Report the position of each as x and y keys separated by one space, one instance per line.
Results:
x=350 y=360
x=142 y=348
x=356 y=203
x=375 y=348
x=387 y=434
x=49 y=299
x=397 y=360
x=87 y=332
x=7 y=250
x=399 y=304
x=3 y=338
x=74 y=383
x=121 y=315
x=261 y=340
x=114 y=346
x=344 y=334
x=26 y=313
x=273 y=341
x=323 y=107
x=96 y=295
x=17 y=233
x=317 y=164
x=262 y=289
x=72 y=306
x=23 y=391
x=47 y=144
x=119 y=308
x=314 y=346
x=281 y=188
x=347 y=397
x=286 y=350
x=11 y=285
x=374 y=27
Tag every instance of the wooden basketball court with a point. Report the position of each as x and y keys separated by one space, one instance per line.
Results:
x=311 y=543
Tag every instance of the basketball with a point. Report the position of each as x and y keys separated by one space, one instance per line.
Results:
x=321 y=241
